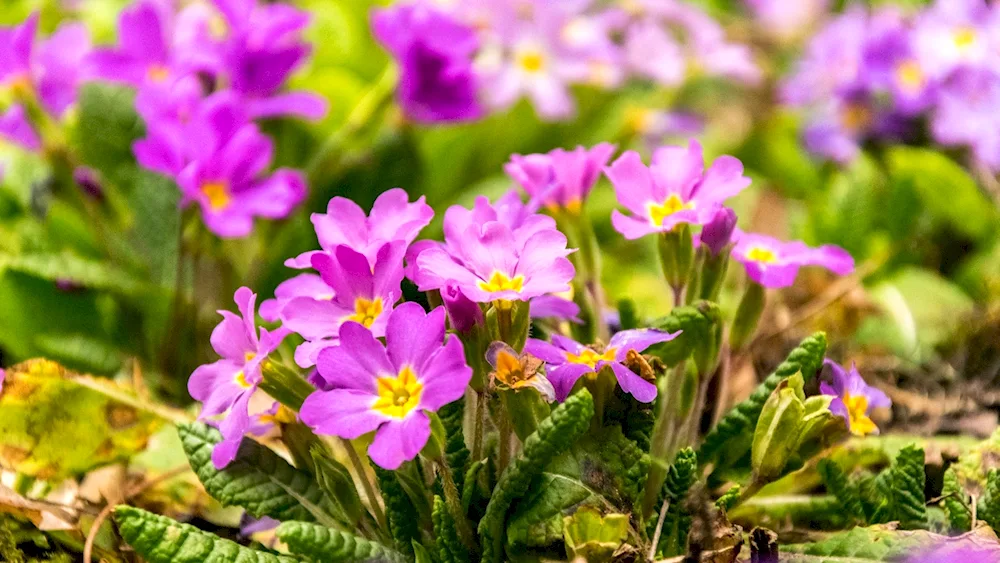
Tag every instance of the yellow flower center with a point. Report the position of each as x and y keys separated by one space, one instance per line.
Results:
x=284 y=416
x=910 y=76
x=499 y=281
x=762 y=255
x=590 y=357
x=639 y=119
x=217 y=194
x=857 y=412
x=217 y=26
x=856 y=117
x=964 y=38
x=158 y=73
x=601 y=74
x=366 y=311
x=399 y=395
x=657 y=213
x=241 y=380
x=20 y=86
x=531 y=61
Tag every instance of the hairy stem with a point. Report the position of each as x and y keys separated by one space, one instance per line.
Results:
x=362 y=475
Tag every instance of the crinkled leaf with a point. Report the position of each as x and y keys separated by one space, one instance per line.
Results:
x=325 y=545
x=159 y=539
x=908 y=478
x=258 y=479
x=882 y=543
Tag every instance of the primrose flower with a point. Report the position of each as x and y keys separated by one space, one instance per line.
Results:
x=311 y=285
x=514 y=371
x=853 y=399
x=463 y=313
x=357 y=291
x=674 y=189
x=388 y=388
x=492 y=261
x=554 y=307
x=152 y=51
x=226 y=385
x=3 y=375
x=229 y=182
x=560 y=179
x=393 y=218
x=262 y=47
x=569 y=360
x=718 y=232
x=435 y=51
x=774 y=263
x=50 y=70
x=953 y=34
x=965 y=114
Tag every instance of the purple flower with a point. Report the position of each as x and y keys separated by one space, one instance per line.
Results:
x=311 y=285
x=147 y=54
x=965 y=550
x=393 y=218
x=954 y=34
x=773 y=263
x=966 y=114
x=569 y=360
x=226 y=385
x=497 y=253
x=554 y=307
x=15 y=127
x=674 y=189
x=357 y=291
x=832 y=63
x=229 y=181
x=435 y=52
x=262 y=48
x=3 y=376
x=853 y=399
x=560 y=179
x=50 y=70
x=463 y=313
x=388 y=388
x=718 y=232
x=785 y=19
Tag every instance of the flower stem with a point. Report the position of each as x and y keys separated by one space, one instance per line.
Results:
x=477 y=429
x=663 y=440
x=362 y=475
x=454 y=501
x=284 y=384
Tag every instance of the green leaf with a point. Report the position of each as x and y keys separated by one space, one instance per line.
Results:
x=955 y=502
x=838 y=485
x=696 y=323
x=875 y=493
x=159 y=539
x=877 y=543
x=258 y=479
x=403 y=519
x=946 y=189
x=338 y=485
x=456 y=453
x=449 y=546
x=732 y=435
x=554 y=435
x=107 y=126
x=729 y=499
x=681 y=476
x=604 y=470
x=56 y=424
x=325 y=545
x=69 y=267
x=908 y=479
x=989 y=504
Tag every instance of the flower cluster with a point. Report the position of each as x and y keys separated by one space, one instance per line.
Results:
x=202 y=75
x=882 y=75
x=44 y=77
x=384 y=366
x=460 y=61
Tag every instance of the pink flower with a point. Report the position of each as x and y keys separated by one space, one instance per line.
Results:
x=560 y=179
x=569 y=360
x=388 y=388
x=773 y=263
x=225 y=386
x=357 y=291
x=501 y=252
x=853 y=399
x=393 y=218
x=674 y=189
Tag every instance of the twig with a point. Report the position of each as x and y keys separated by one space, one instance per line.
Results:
x=88 y=546
x=659 y=528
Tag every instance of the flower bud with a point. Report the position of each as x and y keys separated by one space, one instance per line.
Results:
x=776 y=437
x=88 y=182
x=719 y=232
x=747 y=315
x=463 y=313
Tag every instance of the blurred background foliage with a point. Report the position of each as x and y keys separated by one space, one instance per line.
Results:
x=94 y=294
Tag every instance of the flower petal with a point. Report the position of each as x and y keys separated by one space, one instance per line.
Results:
x=400 y=440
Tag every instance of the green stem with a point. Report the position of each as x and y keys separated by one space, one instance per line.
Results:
x=663 y=440
x=284 y=384
x=454 y=501
x=362 y=475
x=504 y=320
